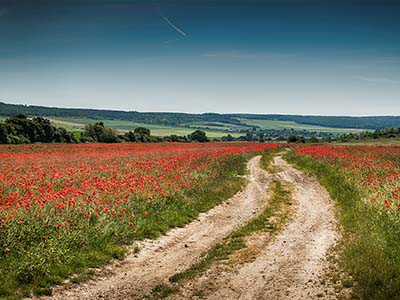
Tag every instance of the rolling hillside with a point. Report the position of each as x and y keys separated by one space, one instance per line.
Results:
x=214 y=124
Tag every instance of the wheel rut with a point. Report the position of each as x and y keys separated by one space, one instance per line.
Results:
x=290 y=266
x=178 y=250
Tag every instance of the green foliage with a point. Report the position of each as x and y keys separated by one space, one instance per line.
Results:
x=6 y=131
x=19 y=129
x=175 y=138
x=162 y=291
x=99 y=133
x=61 y=135
x=198 y=136
x=142 y=134
x=296 y=139
x=371 y=239
x=130 y=136
x=228 y=138
x=387 y=133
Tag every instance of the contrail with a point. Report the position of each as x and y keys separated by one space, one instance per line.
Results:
x=173 y=25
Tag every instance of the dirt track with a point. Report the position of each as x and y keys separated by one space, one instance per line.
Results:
x=176 y=251
x=289 y=267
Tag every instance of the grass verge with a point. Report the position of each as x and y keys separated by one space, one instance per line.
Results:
x=370 y=247
x=270 y=220
x=267 y=158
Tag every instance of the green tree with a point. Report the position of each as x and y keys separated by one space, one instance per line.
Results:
x=198 y=136
x=20 y=129
x=174 y=138
x=296 y=139
x=142 y=134
x=44 y=131
x=131 y=136
x=99 y=133
x=3 y=134
x=228 y=138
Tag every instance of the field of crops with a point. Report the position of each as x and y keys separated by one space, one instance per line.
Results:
x=374 y=170
x=365 y=182
x=76 y=123
x=279 y=125
x=67 y=207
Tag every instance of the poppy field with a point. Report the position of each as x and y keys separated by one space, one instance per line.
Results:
x=373 y=170
x=364 y=181
x=66 y=208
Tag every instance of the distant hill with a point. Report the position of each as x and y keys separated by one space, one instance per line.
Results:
x=184 y=119
x=373 y=122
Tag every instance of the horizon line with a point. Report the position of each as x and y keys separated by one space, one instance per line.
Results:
x=201 y=113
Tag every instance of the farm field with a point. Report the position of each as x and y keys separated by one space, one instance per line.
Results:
x=65 y=208
x=68 y=209
x=271 y=124
x=214 y=129
x=373 y=170
x=365 y=182
x=200 y=150
x=124 y=126
x=217 y=125
x=372 y=142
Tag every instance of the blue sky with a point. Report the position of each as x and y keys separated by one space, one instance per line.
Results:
x=289 y=56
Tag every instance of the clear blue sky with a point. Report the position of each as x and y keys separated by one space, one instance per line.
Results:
x=279 y=56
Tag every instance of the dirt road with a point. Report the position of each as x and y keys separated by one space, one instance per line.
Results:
x=179 y=249
x=289 y=267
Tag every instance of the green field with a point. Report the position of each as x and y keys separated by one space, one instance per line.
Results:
x=217 y=126
x=278 y=125
x=157 y=130
x=213 y=129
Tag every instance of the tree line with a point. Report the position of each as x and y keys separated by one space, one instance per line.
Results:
x=387 y=133
x=20 y=129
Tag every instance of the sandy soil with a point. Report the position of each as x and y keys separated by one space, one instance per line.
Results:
x=177 y=250
x=292 y=265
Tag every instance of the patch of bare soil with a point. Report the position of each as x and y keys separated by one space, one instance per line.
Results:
x=290 y=266
x=176 y=251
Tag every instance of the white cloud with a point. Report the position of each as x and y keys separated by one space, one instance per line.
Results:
x=388 y=60
x=377 y=79
x=246 y=55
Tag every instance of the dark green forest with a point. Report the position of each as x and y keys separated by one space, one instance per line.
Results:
x=176 y=119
